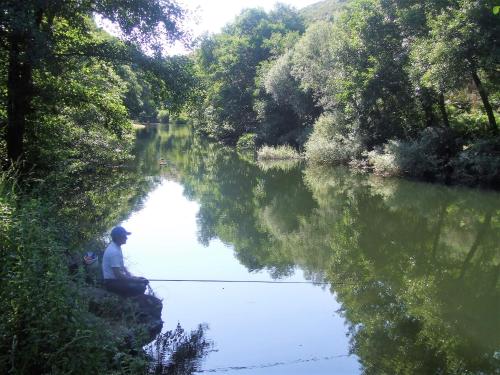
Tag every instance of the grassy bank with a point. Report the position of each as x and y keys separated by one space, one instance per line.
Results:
x=45 y=324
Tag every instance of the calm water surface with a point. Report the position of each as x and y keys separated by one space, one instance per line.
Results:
x=413 y=269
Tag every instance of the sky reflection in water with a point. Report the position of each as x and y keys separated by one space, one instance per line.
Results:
x=276 y=329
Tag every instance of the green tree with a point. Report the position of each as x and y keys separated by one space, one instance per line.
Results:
x=458 y=45
x=285 y=112
x=356 y=69
x=229 y=63
x=138 y=98
x=41 y=36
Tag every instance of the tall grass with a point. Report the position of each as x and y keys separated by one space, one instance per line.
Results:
x=284 y=152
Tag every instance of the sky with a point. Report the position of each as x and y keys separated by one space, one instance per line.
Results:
x=211 y=16
x=216 y=13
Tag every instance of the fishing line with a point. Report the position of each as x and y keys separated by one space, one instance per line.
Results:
x=239 y=281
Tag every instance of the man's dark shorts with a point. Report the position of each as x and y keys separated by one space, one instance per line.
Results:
x=126 y=287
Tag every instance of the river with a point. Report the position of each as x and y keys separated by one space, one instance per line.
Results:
x=411 y=269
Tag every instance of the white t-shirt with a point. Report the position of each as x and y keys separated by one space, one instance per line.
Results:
x=112 y=257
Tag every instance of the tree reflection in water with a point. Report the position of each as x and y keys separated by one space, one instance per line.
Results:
x=415 y=266
x=177 y=352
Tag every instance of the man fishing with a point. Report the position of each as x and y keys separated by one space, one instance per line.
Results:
x=117 y=278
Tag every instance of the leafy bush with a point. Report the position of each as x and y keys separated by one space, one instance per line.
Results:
x=282 y=152
x=469 y=122
x=426 y=157
x=246 y=142
x=64 y=145
x=331 y=144
x=479 y=164
x=384 y=161
x=163 y=116
x=44 y=325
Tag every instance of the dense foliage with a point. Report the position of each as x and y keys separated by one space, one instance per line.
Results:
x=367 y=83
x=232 y=67
x=68 y=92
x=66 y=85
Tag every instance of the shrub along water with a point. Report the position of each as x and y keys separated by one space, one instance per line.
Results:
x=330 y=143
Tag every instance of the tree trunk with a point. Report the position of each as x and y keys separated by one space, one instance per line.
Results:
x=426 y=100
x=486 y=102
x=442 y=109
x=19 y=96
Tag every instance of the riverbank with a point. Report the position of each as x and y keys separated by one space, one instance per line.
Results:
x=435 y=156
x=373 y=85
x=53 y=320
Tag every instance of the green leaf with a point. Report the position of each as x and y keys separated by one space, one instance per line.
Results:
x=496 y=9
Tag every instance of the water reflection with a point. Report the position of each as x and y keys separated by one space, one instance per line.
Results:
x=177 y=352
x=422 y=268
x=415 y=266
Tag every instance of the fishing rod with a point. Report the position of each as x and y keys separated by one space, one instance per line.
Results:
x=239 y=281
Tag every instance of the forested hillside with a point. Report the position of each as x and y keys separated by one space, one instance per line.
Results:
x=397 y=87
x=322 y=10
